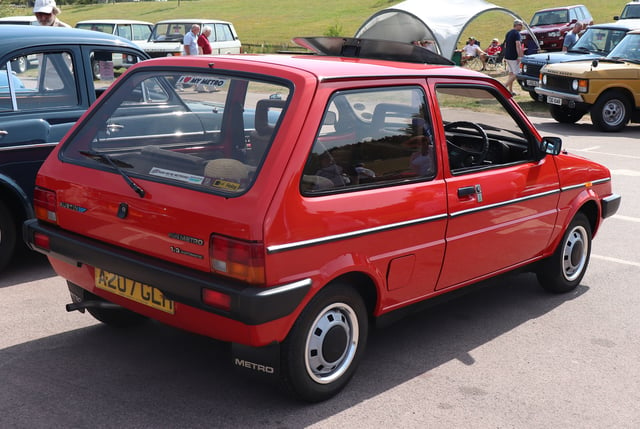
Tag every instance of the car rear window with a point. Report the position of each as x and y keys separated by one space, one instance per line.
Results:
x=209 y=132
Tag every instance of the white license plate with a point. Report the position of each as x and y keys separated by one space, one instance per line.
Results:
x=554 y=100
x=532 y=83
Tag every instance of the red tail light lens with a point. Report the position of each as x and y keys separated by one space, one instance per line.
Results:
x=45 y=203
x=238 y=259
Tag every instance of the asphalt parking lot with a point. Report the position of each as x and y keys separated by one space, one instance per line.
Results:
x=507 y=355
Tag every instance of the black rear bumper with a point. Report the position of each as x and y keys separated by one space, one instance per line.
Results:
x=249 y=304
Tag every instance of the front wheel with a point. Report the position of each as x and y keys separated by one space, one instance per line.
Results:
x=611 y=112
x=564 y=115
x=325 y=345
x=563 y=271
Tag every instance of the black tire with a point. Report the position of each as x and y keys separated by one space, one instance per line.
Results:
x=95 y=69
x=8 y=236
x=564 y=115
x=537 y=97
x=20 y=65
x=563 y=271
x=611 y=112
x=118 y=317
x=325 y=345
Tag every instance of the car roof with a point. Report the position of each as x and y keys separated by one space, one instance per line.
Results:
x=113 y=21
x=43 y=36
x=324 y=67
x=623 y=24
x=17 y=19
x=191 y=20
x=634 y=32
x=559 y=8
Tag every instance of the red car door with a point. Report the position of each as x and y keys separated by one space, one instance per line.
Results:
x=502 y=202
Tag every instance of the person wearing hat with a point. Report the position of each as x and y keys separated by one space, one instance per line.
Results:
x=513 y=53
x=46 y=12
x=472 y=50
x=494 y=48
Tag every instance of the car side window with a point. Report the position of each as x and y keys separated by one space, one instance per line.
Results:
x=107 y=65
x=141 y=32
x=125 y=31
x=481 y=140
x=223 y=33
x=370 y=138
x=48 y=81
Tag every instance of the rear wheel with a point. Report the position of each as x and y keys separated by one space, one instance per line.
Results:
x=8 y=236
x=611 y=112
x=20 y=65
x=325 y=344
x=564 y=115
x=563 y=271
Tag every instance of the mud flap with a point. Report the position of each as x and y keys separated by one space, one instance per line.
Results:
x=257 y=362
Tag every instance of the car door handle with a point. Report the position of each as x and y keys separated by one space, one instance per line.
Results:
x=4 y=133
x=471 y=190
x=466 y=191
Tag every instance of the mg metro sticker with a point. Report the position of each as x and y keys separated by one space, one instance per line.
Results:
x=177 y=175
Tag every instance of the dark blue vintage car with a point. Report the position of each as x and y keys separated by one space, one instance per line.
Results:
x=69 y=69
x=596 y=42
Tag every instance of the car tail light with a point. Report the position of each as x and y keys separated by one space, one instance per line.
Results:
x=45 y=202
x=238 y=259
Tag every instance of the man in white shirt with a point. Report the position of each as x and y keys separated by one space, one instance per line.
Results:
x=472 y=50
x=190 y=40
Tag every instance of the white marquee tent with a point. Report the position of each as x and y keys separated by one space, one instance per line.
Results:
x=442 y=21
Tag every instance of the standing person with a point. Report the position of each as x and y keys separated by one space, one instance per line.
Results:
x=571 y=37
x=513 y=53
x=190 y=40
x=204 y=47
x=46 y=12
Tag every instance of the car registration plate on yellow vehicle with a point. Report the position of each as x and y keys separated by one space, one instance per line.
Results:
x=133 y=290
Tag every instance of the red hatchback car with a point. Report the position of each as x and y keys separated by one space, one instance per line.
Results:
x=286 y=203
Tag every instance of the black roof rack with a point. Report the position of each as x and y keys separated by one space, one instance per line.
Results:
x=372 y=49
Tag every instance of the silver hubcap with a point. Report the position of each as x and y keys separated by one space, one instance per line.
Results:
x=574 y=254
x=613 y=112
x=332 y=343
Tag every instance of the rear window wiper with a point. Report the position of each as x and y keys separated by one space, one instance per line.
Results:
x=116 y=164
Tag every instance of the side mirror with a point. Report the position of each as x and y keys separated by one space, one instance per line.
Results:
x=550 y=145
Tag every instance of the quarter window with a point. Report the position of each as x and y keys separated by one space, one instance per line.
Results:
x=371 y=138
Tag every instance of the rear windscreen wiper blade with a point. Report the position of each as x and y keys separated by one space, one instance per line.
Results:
x=116 y=164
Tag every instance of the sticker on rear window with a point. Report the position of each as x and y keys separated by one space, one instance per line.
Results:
x=177 y=175
x=201 y=80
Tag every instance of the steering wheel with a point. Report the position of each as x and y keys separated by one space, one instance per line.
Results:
x=478 y=157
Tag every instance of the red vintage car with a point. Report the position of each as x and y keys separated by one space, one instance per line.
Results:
x=286 y=203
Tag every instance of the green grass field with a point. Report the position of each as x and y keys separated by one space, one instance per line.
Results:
x=275 y=22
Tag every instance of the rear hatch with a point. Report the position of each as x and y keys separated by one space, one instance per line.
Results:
x=166 y=164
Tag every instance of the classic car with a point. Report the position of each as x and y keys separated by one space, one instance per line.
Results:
x=302 y=199
x=42 y=104
x=607 y=88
